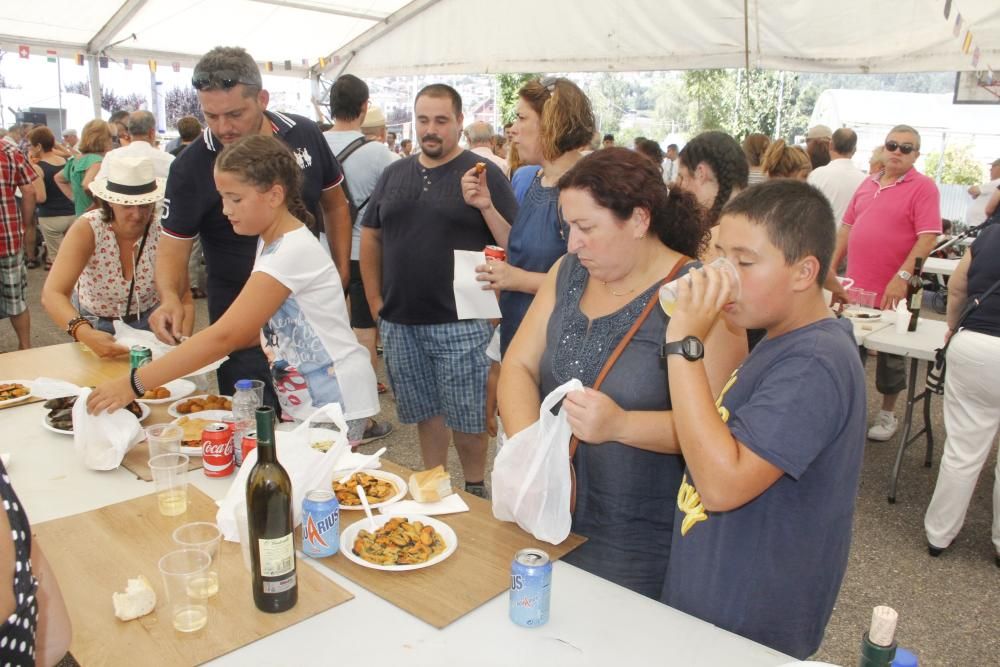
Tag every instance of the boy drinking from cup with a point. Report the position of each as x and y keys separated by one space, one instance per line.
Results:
x=764 y=513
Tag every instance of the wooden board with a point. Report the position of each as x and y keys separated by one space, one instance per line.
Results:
x=93 y=554
x=477 y=572
x=72 y=362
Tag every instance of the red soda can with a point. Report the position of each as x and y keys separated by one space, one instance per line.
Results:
x=249 y=443
x=495 y=253
x=217 y=450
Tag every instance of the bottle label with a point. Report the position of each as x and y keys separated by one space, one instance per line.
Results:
x=281 y=585
x=277 y=557
x=917 y=299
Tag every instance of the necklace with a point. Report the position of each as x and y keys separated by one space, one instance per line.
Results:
x=614 y=293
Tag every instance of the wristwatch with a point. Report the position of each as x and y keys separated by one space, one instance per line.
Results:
x=689 y=347
x=905 y=275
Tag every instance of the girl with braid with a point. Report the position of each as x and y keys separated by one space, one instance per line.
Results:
x=714 y=169
x=294 y=294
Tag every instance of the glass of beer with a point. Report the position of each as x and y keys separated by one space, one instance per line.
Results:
x=181 y=570
x=206 y=537
x=668 y=293
x=170 y=477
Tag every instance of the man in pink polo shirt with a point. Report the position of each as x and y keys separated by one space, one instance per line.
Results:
x=893 y=218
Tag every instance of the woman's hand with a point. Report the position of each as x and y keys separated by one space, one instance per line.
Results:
x=110 y=396
x=498 y=275
x=475 y=190
x=101 y=343
x=593 y=416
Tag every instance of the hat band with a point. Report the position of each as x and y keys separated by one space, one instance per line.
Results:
x=143 y=189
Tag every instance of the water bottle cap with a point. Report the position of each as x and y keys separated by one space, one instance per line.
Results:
x=904 y=659
x=244 y=385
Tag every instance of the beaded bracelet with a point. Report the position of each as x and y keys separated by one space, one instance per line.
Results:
x=137 y=388
x=74 y=324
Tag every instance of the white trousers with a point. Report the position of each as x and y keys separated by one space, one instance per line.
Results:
x=971 y=418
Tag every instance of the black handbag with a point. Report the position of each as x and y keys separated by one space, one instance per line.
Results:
x=935 y=374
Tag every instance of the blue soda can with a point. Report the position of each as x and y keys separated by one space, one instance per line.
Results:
x=320 y=524
x=530 y=588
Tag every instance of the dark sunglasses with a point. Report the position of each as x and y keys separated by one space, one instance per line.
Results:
x=224 y=79
x=905 y=149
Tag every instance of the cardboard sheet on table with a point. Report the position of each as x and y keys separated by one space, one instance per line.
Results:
x=477 y=572
x=94 y=553
x=137 y=462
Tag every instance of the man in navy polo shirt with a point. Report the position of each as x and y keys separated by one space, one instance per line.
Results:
x=234 y=104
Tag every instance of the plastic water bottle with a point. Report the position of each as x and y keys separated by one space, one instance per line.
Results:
x=245 y=405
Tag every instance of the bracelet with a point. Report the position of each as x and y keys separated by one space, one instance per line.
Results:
x=74 y=324
x=136 y=383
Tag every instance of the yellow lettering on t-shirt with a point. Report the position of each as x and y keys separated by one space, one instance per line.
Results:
x=723 y=411
x=689 y=502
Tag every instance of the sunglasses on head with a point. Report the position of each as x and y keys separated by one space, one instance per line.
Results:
x=224 y=79
x=905 y=149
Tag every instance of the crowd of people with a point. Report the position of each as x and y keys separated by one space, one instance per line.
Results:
x=717 y=443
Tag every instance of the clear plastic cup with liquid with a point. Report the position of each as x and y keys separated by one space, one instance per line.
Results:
x=179 y=570
x=170 y=478
x=668 y=293
x=164 y=439
x=206 y=537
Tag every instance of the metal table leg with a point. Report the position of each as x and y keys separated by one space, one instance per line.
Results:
x=905 y=438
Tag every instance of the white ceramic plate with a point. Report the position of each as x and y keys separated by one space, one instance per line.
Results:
x=172 y=410
x=348 y=535
x=12 y=401
x=210 y=415
x=178 y=389
x=862 y=314
x=49 y=427
x=396 y=480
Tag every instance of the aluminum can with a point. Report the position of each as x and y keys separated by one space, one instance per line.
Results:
x=248 y=445
x=530 y=588
x=139 y=355
x=495 y=253
x=217 y=450
x=320 y=524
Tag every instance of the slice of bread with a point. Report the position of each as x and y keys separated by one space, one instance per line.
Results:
x=138 y=599
x=430 y=486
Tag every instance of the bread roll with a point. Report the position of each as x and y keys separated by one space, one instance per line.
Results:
x=138 y=599
x=431 y=485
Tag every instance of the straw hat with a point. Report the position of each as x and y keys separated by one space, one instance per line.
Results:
x=819 y=132
x=374 y=118
x=129 y=182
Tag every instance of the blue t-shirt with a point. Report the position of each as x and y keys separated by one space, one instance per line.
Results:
x=522 y=179
x=771 y=569
x=537 y=239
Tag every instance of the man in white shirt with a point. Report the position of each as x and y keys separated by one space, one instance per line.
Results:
x=976 y=213
x=142 y=128
x=839 y=179
x=479 y=135
x=670 y=165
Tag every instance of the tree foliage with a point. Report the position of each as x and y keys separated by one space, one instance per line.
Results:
x=109 y=100
x=609 y=100
x=508 y=85
x=959 y=167
x=180 y=102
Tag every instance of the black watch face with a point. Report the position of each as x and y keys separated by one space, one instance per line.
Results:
x=693 y=349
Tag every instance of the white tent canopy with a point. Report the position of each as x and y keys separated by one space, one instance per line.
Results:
x=400 y=37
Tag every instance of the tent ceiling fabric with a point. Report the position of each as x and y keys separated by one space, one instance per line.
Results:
x=400 y=37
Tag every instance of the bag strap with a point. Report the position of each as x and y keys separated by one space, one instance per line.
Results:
x=342 y=157
x=135 y=269
x=627 y=338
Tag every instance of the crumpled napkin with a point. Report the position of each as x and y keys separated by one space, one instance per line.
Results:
x=452 y=504
x=101 y=441
x=50 y=388
x=129 y=336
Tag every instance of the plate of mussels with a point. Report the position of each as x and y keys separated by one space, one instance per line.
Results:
x=59 y=418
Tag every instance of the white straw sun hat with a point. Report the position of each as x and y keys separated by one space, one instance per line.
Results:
x=130 y=182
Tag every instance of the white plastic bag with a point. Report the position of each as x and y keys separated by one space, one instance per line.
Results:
x=531 y=480
x=101 y=441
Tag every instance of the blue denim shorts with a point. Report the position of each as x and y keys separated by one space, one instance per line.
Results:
x=439 y=369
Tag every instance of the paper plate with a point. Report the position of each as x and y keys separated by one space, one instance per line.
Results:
x=396 y=480
x=12 y=401
x=178 y=390
x=862 y=314
x=172 y=410
x=208 y=415
x=348 y=534
x=144 y=409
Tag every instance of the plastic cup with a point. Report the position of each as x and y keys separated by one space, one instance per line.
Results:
x=164 y=439
x=868 y=299
x=243 y=525
x=181 y=569
x=206 y=537
x=258 y=389
x=668 y=293
x=855 y=296
x=170 y=477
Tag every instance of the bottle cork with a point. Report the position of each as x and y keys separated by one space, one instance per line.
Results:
x=883 y=627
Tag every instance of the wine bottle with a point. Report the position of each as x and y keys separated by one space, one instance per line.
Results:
x=269 y=513
x=915 y=294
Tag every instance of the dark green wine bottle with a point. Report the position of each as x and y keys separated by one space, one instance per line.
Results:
x=269 y=513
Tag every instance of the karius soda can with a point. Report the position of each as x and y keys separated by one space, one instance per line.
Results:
x=530 y=588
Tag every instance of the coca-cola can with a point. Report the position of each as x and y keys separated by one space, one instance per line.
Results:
x=249 y=444
x=495 y=253
x=217 y=450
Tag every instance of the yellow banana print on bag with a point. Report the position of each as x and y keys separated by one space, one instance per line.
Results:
x=689 y=502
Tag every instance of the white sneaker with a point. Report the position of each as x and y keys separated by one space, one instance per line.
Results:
x=884 y=427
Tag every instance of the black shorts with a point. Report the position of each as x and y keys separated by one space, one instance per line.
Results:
x=361 y=313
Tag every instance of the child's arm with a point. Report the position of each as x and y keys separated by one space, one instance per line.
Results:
x=238 y=328
x=725 y=471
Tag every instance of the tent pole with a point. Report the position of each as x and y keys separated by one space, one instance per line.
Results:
x=59 y=92
x=95 y=85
